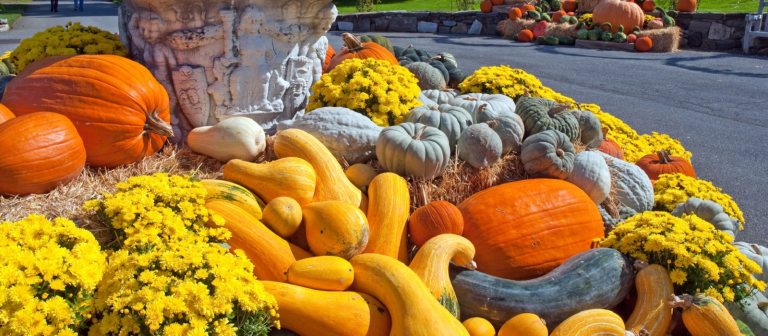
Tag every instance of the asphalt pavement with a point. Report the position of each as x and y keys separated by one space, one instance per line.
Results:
x=715 y=103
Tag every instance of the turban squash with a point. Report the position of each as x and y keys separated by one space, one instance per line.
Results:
x=119 y=109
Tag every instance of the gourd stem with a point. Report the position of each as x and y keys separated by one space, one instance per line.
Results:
x=664 y=157
x=557 y=109
x=560 y=153
x=684 y=301
x=156 y=125
x=351 y=42
x=639 y=264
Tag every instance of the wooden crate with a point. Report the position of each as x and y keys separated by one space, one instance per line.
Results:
x=602 y=45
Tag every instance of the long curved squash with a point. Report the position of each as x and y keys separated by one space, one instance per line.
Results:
x=389 y=205
x=598 y=278
x=705 y=316
x=652 y=311
x=235 y=193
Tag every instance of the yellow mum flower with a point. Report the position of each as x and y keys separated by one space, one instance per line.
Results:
x=673 y=189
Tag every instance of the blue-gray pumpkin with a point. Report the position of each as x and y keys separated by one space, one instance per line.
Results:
x=452 y=120
x=413 y=149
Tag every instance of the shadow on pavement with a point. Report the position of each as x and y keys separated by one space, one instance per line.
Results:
x=679 y=62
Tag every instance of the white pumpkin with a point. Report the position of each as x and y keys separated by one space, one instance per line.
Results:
x=233 y=138
x=500 y=104
x=756 y=253
x=349 y=135
x=591 y=174
x=632 y=186
x=753 y=311
x=440 y=96
x=710 y=212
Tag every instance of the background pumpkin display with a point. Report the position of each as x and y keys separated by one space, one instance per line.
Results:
x=618 y=13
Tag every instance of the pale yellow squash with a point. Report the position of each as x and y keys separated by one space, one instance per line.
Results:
x=360 y=174
x=389 y=206
x=329 y=273
x=591 y=322
x=292 y=177
x=235 y=193
x=283 y=216
x=335 y=228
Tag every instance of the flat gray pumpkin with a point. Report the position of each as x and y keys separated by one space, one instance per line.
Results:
x=540 y=114
x=497 y=104
x=548 y=154
x=756 y=253
x=510 y=130
x=631 y=185
x=710 y=212
x=480 y=146
x=452 y=120
x=349 y=135
x=591 y=174
x=610 y=222
x=412 y=149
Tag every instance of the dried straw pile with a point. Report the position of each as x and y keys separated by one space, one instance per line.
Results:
x=664 y=39
x=510 y=28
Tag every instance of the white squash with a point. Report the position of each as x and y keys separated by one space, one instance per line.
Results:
x=440 y=96
x=347 y=134
x=591 y=174
x=499 y=104
x=710 y=212
x=632 y=186
x=233 y=138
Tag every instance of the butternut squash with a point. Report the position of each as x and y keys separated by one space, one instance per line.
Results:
x=525 y=324
x=332 y=184
x=652 y=311
x=271 y=255
x=335 y=228
x=432 y=262
x=283 y=215
x=413 y=309
x=292 y=177
x=389 y=205
x=705 y=316
x=323 y=273
x=478 y=326
x=325 y=313
x=235 y=193
x=591 y=322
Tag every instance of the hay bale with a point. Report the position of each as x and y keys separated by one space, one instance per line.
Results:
x=561 y=29
x=665 y=39
x=510 y=28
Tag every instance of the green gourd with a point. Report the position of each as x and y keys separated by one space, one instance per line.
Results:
x=564 y=18
x=533 y=15
x=582 y=33
x=546 y=17
x=620 y=37
x=540 y=114
x=668 y=20
x=606 y=35
x=595 y=33
x=551 y=40
x=566 y=40
x=636 y=30
x=573 y=20
x=555 y=5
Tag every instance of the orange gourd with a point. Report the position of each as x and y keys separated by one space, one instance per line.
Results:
x=389 y=204
x=40 y=151
x=433 y=219
x=5 y=114
x=569 y=5
x=486 y=6
x=643 y=44
x=528 y=7
x=652 y=312
x=119 y=109
x=648 y=5
x=663 y=163
x=618 y=13
x=525 y=35
x=524 y=229
x=328 y=57
x=686 y=5
x=353 y=48
x=525 y=324
x=557 y=16
x=478 y=326
x=514 y=13
x=705 y=316
x=631 y=38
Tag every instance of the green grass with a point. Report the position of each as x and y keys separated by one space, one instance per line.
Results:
x=719 y=6
x=11 y=12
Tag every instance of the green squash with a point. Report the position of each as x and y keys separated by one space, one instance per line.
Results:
x=555 y=5
x=620 y=37
x=540 y=114
x=412 y=149
x=548 y=154
x=452 y=120
x=668 y=20
x=595 y=33
x=429 y=77
x=583 y=32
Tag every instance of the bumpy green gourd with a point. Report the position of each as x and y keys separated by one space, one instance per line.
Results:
x=606 y=35
x=534 y=15
x=566 y=40
x=540 y=114
x=555 y=5
x=573 y=20
x=620 y=36
x=594 y=34
x=636 y=30
x=551 y=40
x=583 y=32
x=668 y=20
x=546 y=17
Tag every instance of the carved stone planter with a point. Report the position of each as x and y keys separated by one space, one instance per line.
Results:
x=224 y=58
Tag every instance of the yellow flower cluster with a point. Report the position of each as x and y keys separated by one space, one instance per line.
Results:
x=151 y=210
x=673 y=189
x=71 y=39
x=172 y=275
x=514 y=83
x=699 y=257
x=586 y=18
x=382 y=91
x=647 y=18
x=635 y=145
x=5 y=55
x=48 y=275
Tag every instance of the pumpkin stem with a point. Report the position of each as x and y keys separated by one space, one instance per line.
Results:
x=470 y=98
x=156 y=125
x=639 y=264
x=684 y=301
x=420 y=133
x=664 y=157
x=756 y=249
x=605 y=131
x=557 y=109
x=560 y=153
x=351 y=42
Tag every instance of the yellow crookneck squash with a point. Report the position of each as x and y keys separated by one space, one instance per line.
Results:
x=322 y=273
x=652 y=311
x=705 y=316
x=414 y=310
x=432 y=263
x=291 y=177
x=389 y=205
x=592 y=322
x=235 y=193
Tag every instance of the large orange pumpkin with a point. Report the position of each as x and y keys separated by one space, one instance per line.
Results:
x=353 y=48
x=524 y=229
x=328 y=57
x=5 y=114
x=618 y=13
x=120 y=110
x=686 y=5
x=40 y=151
x=663 y=163
x=432 y=219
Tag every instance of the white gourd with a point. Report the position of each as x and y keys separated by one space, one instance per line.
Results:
x=233 y=138
x=632 y=186
x=500 y=104
x=591 y=174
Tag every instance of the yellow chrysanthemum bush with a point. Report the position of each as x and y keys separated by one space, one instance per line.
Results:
x=673 y=189
x=70 y=39
x=586 y=18
x=378 y=89
x=172 y=274
x=48 y=276
x=514 y=83
x=699 y=257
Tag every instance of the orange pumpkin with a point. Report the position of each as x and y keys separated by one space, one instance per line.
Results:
x=497 y=2
x=525 y=35
x=514 y=13
x=686 y=5
x=569 y=5
x=618 y=13
x=120 y=110
x=648 y=5
x=609 y=146
x=528 y=7
x=631 y=38
x=353 y=48
x=663 y=163
x=5 y=114
x=524 y=229
x=643 y=44
x=486 y=6
x=40 y=151
x=328 y=56
x=433 y=219
x=558 y=15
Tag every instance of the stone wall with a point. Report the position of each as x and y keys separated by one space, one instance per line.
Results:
x=709 y=31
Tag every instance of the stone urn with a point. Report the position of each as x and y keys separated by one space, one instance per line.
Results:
x=225 y=58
